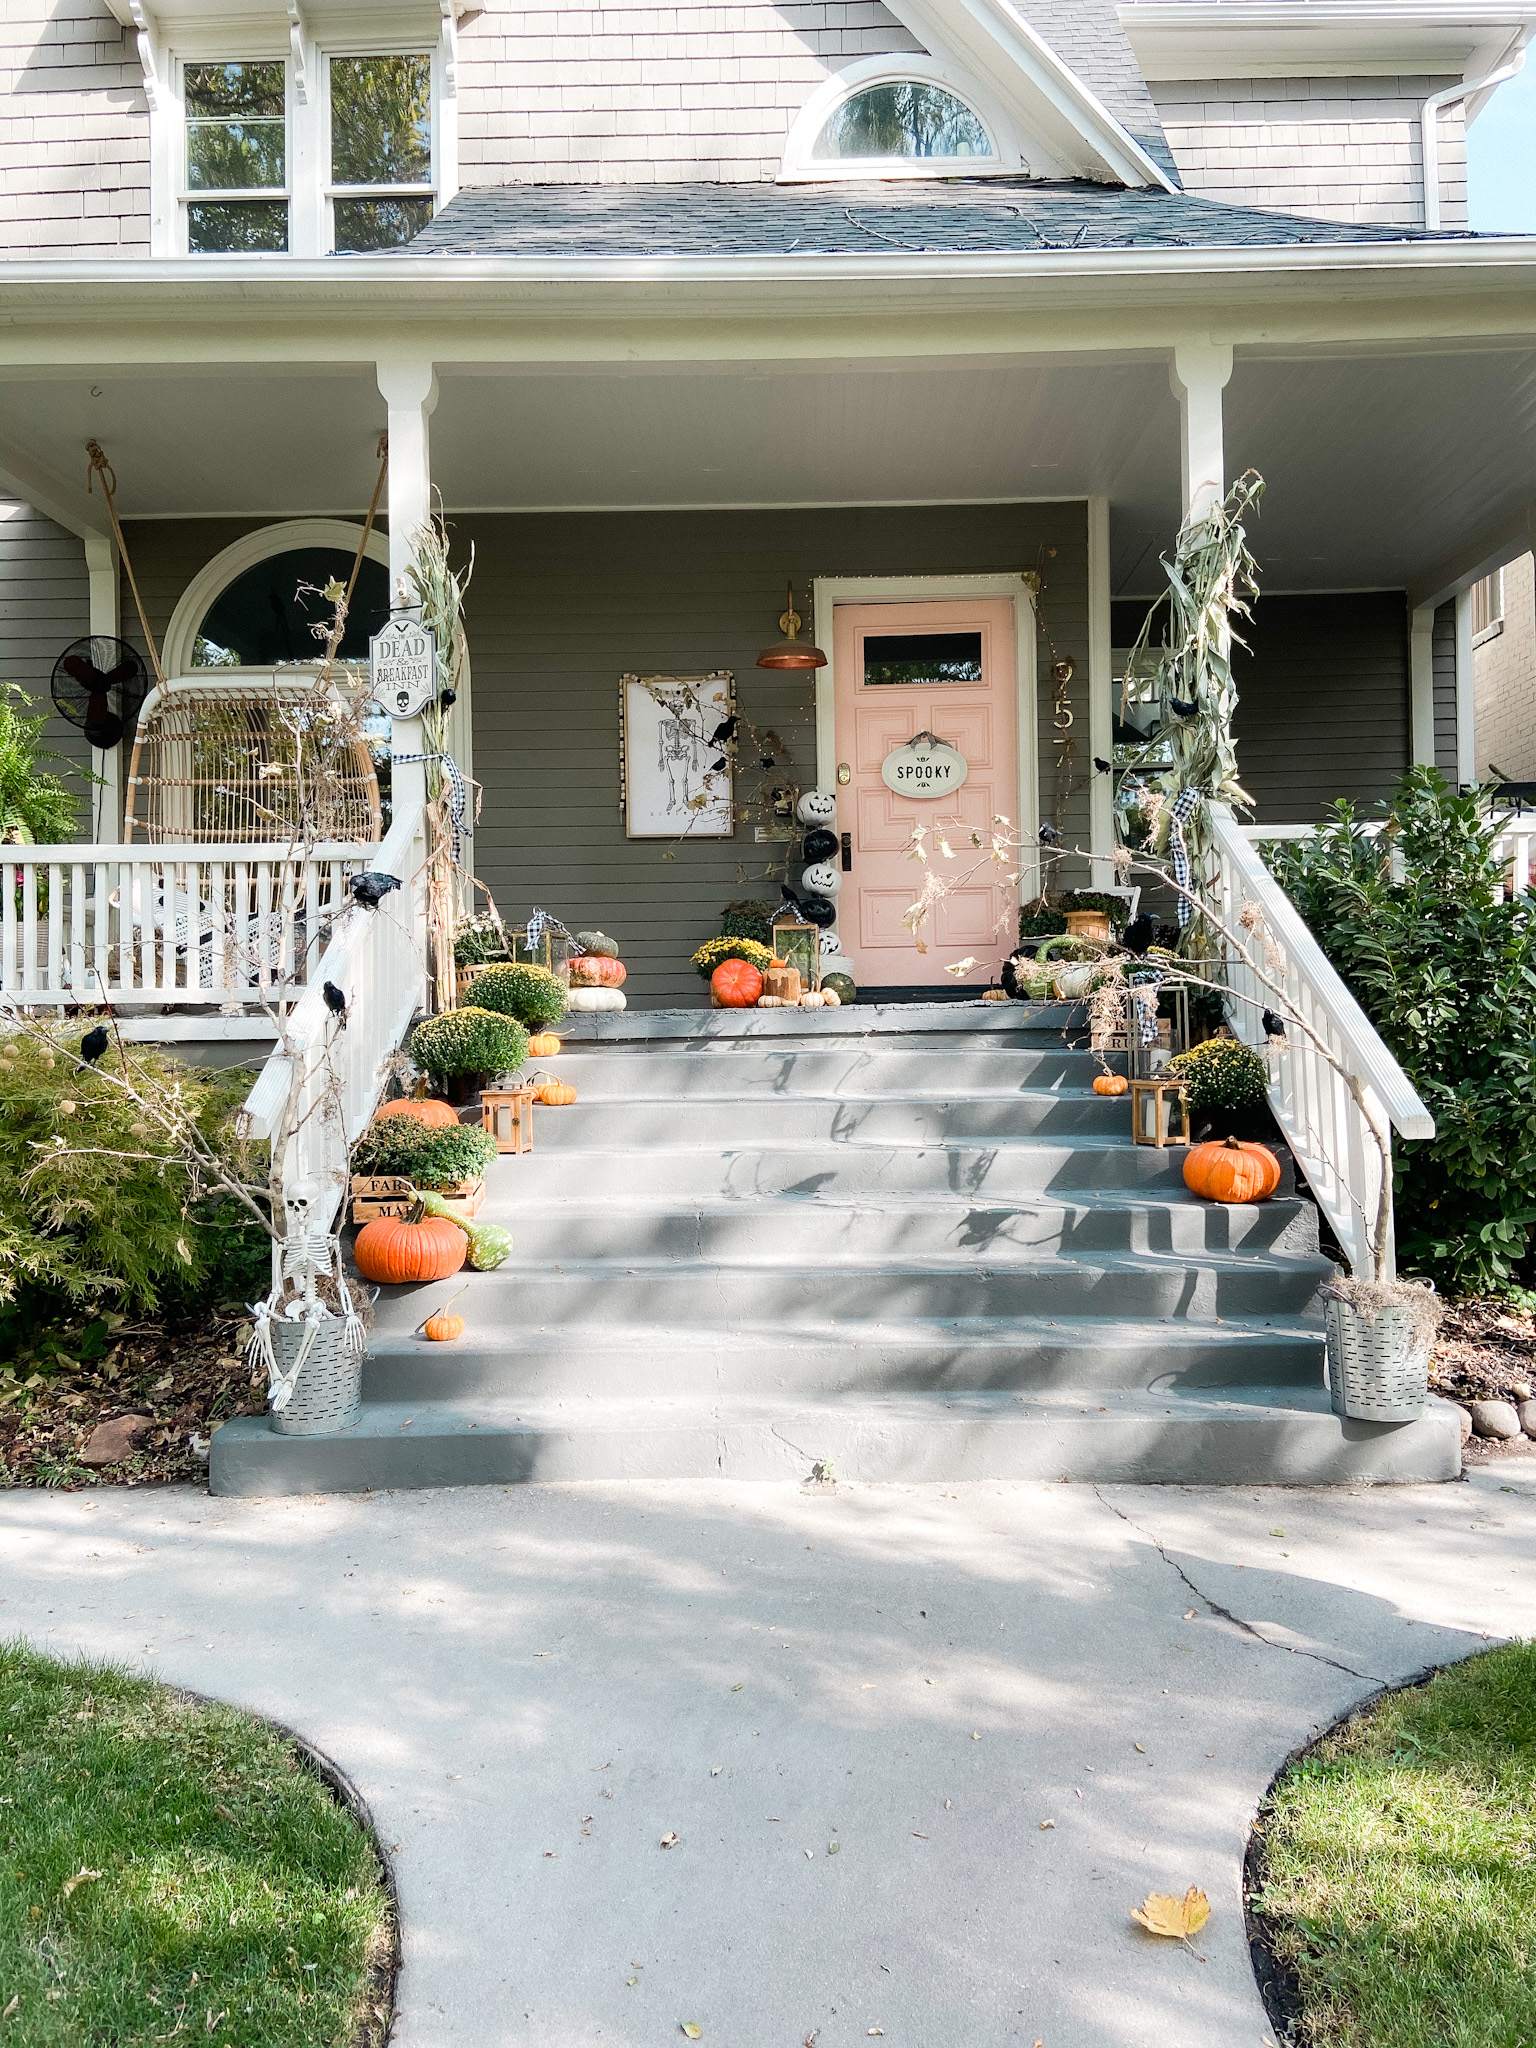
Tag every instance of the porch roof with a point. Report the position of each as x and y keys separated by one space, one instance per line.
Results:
x=950 y=217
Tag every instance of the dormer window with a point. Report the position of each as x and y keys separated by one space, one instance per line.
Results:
x=237 y=148
x=381 y=150
x=902 y=119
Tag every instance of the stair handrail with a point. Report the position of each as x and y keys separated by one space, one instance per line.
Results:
x=322 y=1083
x=1331 y=1135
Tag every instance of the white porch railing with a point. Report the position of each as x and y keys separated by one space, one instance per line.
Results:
x=1324 y=1124
x=191 y=925
x=1513 y=844
x=377 y=958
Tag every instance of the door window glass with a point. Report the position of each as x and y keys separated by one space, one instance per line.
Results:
x=924 y=658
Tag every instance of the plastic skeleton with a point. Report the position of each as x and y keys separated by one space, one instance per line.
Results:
x=309 y=1247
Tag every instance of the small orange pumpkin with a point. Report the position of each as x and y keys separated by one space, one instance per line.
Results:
x=555 y=1093
x=1110 y=1084
x=543 y=1045
x=1231 y=1171
x=400 y=1251
x=442 y=1329
x=736 y=984
x=426 y=1109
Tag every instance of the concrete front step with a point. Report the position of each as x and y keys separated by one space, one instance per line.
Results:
x=745 y=1070
x=707 y=1119
x=1254 y=1436
x=974 y=1354
x=1008 y=1283
x=874 y=1224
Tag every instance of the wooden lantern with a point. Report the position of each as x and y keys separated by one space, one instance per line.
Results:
x=799 y=945
x=1159 y=1112
x=507 y=1113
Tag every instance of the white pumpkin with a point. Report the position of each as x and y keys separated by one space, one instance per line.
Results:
x=595 y=999
x=811 y=1000
x=1071 y=983
x=816 y=807
x=770 y=1003
x=820 y=879
x=831 y=999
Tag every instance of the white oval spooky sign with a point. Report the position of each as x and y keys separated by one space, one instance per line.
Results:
x=924 y=767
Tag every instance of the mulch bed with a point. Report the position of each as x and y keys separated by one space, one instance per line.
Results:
x=181 y=1376
x=1486 y=1351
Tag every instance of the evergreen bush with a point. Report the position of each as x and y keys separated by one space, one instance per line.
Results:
x=469 y=1041
x=1447 y=974
x=533 y=995
x=432 y=1156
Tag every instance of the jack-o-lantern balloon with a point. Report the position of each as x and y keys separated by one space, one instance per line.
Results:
x=831 y=945
x=816 y=807
x=818 y=844
x=819 y=910
x=821 y=879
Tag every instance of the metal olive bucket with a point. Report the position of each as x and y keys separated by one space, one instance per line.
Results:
x=1378 y=1371
x=328 y=1393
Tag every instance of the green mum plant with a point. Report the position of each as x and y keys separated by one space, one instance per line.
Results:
x=533 y=995
x=430 y=1156
x=713 y=951
x=469 y=1041
x=1222 y=1076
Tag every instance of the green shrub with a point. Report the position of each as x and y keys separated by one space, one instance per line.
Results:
x=1447 y=974
x=1040 y=920
x=469 y=1041
x=750 y=919
x=713 y=951
x=96 y=1202
x=30 y=799
x=432 y=1155
x=532 y=995
x=1223 y=1077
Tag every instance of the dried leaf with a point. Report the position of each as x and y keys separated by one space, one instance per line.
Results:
x=669 y=1841
x=1046 y=1824
x=737 y=1688
x=1191 y=1614
x=1175 y=1919
x=80 y=1877
x=694 y=2033
x=833 y=1848
x=715 y=1770
x=1139 y=1750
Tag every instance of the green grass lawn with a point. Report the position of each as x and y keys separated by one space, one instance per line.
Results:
x=168 y=1869
x=1399 y=1866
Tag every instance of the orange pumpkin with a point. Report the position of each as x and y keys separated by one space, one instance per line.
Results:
x=1231 y=1171
x=736 y=984
x=1110 y=1084
x=592 y=970
x=400 y=1251
x=543 y=1045
x=427 y=1109
x=443 y=1329
x=554 y=1092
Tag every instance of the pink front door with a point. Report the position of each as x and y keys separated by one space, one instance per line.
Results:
x=948 y=667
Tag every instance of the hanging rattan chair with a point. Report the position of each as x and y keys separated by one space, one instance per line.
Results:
x=277 y=757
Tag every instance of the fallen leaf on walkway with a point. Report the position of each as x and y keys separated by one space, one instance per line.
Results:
x=737 y=1688
x=810 y=1855
x=715 y=1770
x=80 y=1877
x=917 y=1837
x=833 y=1848
x=1046 y=1824
x=866 y=1688
x=694 y=2033
x=1176 y=1919
x=631 y=1980
x=669 y=1841
x=975 y=1737
x=1191 y=1614
x=873 y=2031
x=1277 y=1532
x=1139 y=1750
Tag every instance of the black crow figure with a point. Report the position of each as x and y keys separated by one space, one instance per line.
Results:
x=95 y=1043
x=1104 y=767
x=725 y=731
x=1274 y=1027
x=371 y=887
x=1182 y=708
x=335 y=1002
x=1139 y=933
x=446 y=699
x=1049 y=836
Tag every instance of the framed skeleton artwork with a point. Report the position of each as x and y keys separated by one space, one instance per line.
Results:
x=676 y=737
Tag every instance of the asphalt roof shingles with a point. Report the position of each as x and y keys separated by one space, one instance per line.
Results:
x=949 y=216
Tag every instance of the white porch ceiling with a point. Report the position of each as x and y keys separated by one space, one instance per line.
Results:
x=1380 y=466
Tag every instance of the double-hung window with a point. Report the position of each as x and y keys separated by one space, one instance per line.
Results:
x=381 y=187
x=237 y=157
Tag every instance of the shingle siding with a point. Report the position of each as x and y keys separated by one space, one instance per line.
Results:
x=1339 y=149
x=638 y=95
x=1443 y=663
x=44 y=604
x=1504 y=682
x=74 y=133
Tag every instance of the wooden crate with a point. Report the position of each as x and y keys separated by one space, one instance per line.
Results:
x=383 y=1194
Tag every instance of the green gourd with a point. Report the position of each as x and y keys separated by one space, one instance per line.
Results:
x=489 y=1245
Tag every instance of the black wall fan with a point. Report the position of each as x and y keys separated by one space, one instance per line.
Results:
x=98 y=684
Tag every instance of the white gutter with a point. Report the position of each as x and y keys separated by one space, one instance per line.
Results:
x=1429 y=119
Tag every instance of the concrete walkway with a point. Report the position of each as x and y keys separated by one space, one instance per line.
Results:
x=536 y=1687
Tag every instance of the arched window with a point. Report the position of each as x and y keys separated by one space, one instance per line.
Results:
x=268 y=616
x=902 y=118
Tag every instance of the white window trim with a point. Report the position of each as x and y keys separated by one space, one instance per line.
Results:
x=1496 y=614
x=278 y=32
x=216 y=575
x=801 y=166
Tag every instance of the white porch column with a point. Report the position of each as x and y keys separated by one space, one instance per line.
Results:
x=1421 y=653
x=409 y=388
x=105 y=618
x=1101 y=688
x=1199 y=373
